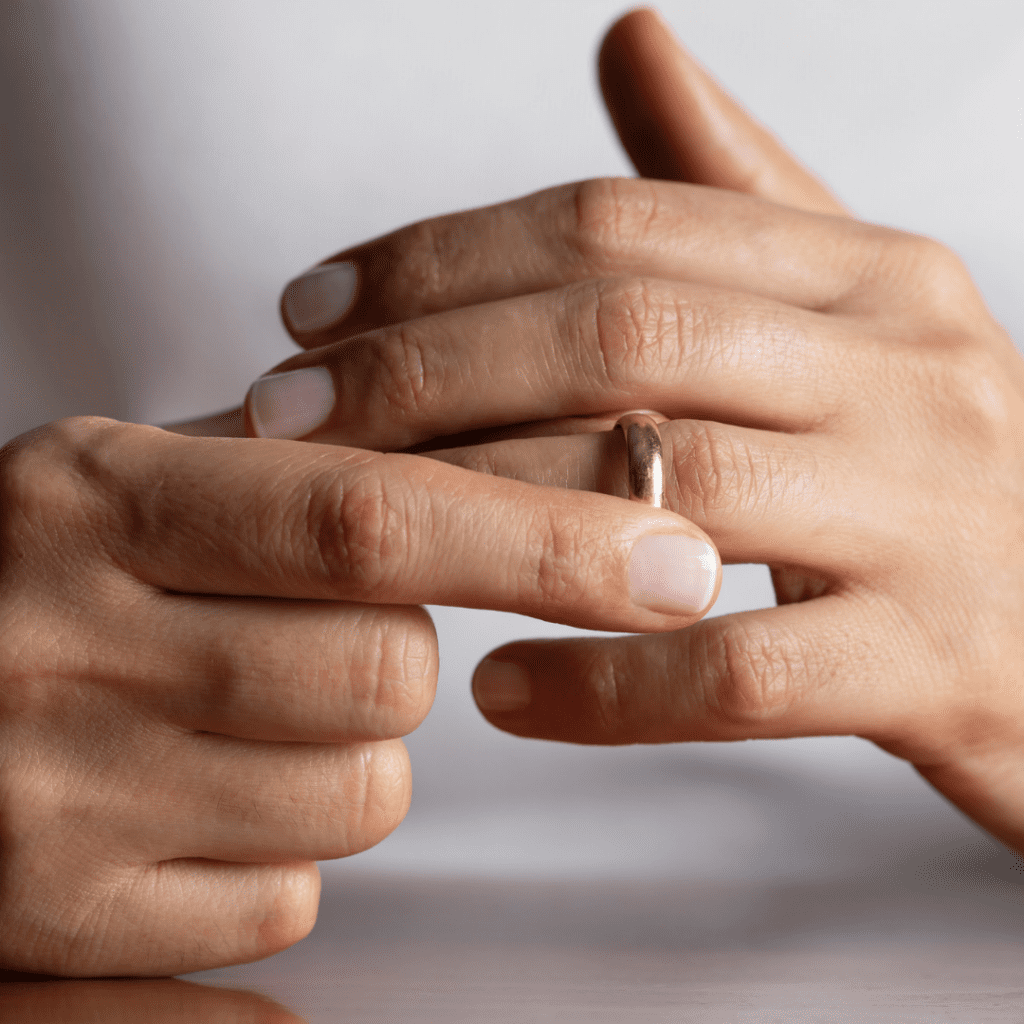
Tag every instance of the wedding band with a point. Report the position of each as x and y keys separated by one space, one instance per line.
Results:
x=643 y=449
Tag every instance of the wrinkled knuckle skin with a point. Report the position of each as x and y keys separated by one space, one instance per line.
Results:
x=613 y=216
x=718 y=478
x=359 y=528
x=422 y=262
x=45 y=474
x=386 y=789
x=637 y=334
x=408 y=382
x=714 y=479
x=395 y=684
x=557 y=572
x=753 y=679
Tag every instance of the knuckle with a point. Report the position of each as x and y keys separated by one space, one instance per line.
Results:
x=293 y=910
x=557 y=573
x=637 y=337
x=407 y=380
x=612 y=218
x=717 y=475
x=32 y=675
x=381 y=791
x=975 y=389
x=394 y=683
x=357 y=529
x=424 y=258
x=49 y=479
x=609 y=688
x=757 y=675
x=931 y=273
x=712 y=477
x=31 y=464
x=757 y=177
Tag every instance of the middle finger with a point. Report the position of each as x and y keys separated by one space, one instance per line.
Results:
x=300 y=671
x=689 y=351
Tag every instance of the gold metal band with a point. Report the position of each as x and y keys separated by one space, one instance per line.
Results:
x=643 y=448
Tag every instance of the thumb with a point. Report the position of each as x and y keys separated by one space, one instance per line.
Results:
x=677 y=123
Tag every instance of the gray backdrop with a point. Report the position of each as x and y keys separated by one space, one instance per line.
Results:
x=166 y=166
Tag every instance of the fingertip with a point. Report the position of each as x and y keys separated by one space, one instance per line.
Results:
x=293 y=911
x=319 y=299
x=500 y=686
x=290 y=404
x=388 y=791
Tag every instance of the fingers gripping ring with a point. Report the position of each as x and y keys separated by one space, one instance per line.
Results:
x=643 y=449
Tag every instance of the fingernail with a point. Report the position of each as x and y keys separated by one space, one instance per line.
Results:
x=320 y=297
x=672 y=573
x=500 y=686
x=291 y=404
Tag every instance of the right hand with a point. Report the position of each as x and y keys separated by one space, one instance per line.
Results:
x=196 y=703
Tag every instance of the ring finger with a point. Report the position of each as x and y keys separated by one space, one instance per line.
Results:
x=763 y=496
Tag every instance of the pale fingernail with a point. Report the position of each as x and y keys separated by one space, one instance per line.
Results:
x=672 y=573
x=320 y=297
x=500 y=686
x=291 y=404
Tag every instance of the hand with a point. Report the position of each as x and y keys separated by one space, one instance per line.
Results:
x=197 y=701
x=843 y=409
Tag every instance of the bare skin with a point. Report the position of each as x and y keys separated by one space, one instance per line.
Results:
x=209 y=649
x=843 y=408
x=831 y=386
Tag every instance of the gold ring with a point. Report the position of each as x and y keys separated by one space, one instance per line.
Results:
x=643 y=449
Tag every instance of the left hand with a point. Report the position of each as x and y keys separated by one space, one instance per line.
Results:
x=843 y=408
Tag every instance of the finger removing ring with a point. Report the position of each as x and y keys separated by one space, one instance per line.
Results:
x=643 y=449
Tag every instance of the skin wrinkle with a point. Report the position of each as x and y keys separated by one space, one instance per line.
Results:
x=874 y=424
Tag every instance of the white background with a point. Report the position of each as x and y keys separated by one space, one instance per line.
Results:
x=165 y=167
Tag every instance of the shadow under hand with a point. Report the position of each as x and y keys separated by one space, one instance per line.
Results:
x=152 y=1000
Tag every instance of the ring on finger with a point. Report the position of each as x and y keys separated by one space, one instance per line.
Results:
x=643 y=450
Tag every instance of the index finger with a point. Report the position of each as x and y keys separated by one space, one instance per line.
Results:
x=296 y=520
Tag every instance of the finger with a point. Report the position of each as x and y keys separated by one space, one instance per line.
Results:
x=677 y=123
x=315 y=672
x=182 y=916
x=817 y=668
x=597 y=347
x=233 y=800
x=600 y=228
x=764 y=497
x=278 y=519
